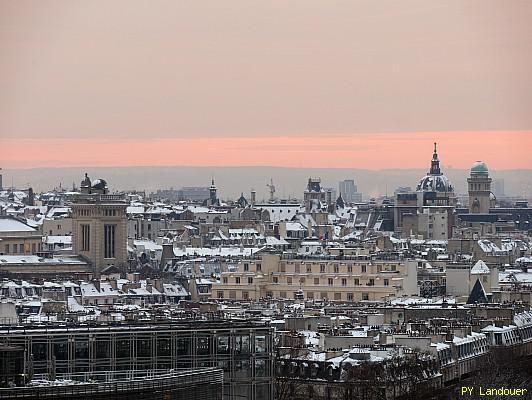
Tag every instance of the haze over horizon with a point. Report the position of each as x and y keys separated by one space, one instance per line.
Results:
x=299 y=84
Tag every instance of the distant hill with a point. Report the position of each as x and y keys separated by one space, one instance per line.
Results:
x=231 y=181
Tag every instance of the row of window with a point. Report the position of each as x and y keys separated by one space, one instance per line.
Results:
x=330 y=281
x=336 y=268
x=225 y=280
x=22 y=248
x=296 y=295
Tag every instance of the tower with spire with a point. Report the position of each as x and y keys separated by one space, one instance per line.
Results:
x=212 y=193
x=435 y=163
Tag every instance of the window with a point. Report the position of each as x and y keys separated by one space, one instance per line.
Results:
x=349 y=269
x=250 y=280
x=282 y=295
x=344 y=282
x=371 y=282
x=224 y=279
x=322 y=268
x=310 y=295
x=288 y=280
x=336 y=268
x=109 y=241
x=309 y=268
x=7 y=249
x=259 y=267
x=386 y=282
x=246 y=267
x=316 y=281
x=323 y=295
x=365 y=296
x=337 y=296
x=330 y=281
x=350 y=296
x=245 y=295
x=220 y=294
x=357 y=282
x=363 y=267
x=275 y=279
x=237 y=280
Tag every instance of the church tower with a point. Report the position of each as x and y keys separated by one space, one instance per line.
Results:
x=212 y=194
x=479 y=185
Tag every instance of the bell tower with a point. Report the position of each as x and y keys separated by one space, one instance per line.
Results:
x=479 y=186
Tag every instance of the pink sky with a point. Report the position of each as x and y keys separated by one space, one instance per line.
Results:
x=247 y=82
x=500 y=150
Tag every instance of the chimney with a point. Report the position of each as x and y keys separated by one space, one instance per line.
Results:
x=168 y=253
x=158 y=284
x=253 y=197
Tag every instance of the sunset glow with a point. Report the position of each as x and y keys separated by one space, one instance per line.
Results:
x=510 y=150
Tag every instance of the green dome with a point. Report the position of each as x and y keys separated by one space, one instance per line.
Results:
x=479 y=168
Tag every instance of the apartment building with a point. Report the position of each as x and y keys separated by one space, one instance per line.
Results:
x=348 y=278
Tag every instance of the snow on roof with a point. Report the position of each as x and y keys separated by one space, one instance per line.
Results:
x=520 y=276
x=135 y=210
x=488 y=247
x=523 y=319
x=295 y=226
x=467 y=339
x=14 y=225
x=217 y=251
x=74 y=306
x=480 y=268
x=147 y=245
x=38 y=260
x=55 y=239
x=273 y=241
x=56 y=211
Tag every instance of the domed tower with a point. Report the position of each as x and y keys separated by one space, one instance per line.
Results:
x=479 y=185
x=435 y=181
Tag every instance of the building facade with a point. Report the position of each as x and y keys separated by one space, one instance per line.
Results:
x=340 y=279
x=244 y=350
x=18 y=238
x=99 y=226
x=479 y=186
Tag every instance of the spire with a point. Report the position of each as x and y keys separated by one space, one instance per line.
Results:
x=435 y=163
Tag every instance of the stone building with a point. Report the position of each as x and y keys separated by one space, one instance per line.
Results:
x=314 y=196
x=18 y=238
x=341 y=279
x=430 y=210
x=99 y=225
x=479 y=186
